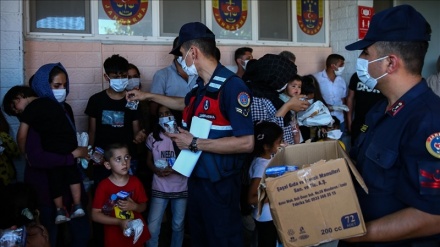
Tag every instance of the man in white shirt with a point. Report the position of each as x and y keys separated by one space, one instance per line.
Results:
x=333 y=86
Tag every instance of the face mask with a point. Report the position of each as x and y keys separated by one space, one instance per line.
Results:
x=339 y=71
x=311 y=101
x=119 y=85
x=362 y=72
x=334 y=134
x=191 y=70
x=133 y=83
x=163 y=120
x=60 y=94
x=245 y=63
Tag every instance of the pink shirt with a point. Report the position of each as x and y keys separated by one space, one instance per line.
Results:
x=162 y=150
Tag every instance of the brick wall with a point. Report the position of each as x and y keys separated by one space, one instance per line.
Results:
x=83 y=62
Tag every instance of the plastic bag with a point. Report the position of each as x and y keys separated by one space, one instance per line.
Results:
x=134 y=227
x=83 y=141
x=316 y=115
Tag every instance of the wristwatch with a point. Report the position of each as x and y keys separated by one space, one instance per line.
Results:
x=193 y=146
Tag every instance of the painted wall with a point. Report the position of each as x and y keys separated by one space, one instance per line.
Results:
x=83 y=61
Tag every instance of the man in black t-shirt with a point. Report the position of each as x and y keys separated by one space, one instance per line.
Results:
x=359 y=101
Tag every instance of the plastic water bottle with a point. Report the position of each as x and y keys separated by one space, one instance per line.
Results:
x=276 y=171
x=108 y=207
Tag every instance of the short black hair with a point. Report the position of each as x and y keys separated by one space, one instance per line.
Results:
x=289 y=55
x=115 y=64
x=332 y=59
x=206 y=46
x=242 y=51
x=14 y=93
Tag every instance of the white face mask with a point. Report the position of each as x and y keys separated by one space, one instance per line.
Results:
x=191 y=70
x=119 y=85
x=133 y=83
x=334 y=134
x=166 y=119
x=339 y=71
x=362 y=72
x=60 y=94
x=245 y=64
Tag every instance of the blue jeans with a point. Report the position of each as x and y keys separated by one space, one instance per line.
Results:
x=79 y=227
x=157 y=209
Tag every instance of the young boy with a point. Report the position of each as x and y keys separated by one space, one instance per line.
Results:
x=47 y=117
x=110 y=120
x=293 y=88
x=117 y=160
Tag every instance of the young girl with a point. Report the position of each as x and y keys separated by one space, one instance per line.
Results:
x=293 y=88
x=268 y=137
x=168 y=186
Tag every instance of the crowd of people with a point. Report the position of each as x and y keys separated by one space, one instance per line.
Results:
x=388 y=110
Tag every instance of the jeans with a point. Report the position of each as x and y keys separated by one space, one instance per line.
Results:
x=157 y=209
x=79 y=228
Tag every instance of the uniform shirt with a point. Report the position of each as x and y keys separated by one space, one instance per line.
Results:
x=240 y=120
x=393 y=158
x=332 y=92
x=167 y=81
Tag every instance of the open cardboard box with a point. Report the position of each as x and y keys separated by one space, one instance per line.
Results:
x=318 y=202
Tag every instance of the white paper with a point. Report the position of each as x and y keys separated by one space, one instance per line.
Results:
x=186 y=161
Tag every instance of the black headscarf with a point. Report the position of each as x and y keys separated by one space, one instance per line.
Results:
x=268 y=76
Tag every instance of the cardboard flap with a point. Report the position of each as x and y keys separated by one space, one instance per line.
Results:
x=353 y=169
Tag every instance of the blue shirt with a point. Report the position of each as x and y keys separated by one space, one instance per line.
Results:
x=393 y=157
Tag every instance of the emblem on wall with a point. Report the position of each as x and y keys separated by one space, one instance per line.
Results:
x=125 y=12
x=310 y=15
x=230 y=14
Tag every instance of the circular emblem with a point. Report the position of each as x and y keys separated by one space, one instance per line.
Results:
x=310 y=16
x=230 y=15
x=125 y=12
x=433 y=145
x=244 y=99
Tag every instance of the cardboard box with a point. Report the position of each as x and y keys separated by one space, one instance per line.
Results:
x=317 y=203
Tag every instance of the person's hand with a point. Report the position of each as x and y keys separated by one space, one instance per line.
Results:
x=127 y=205
x=81 y=152
x=297 y=103
x=140 y=137
x=182 y=139
x=123 y=224
x=134 y=94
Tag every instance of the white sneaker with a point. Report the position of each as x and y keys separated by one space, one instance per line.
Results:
x=61 y=216
x=78 y=212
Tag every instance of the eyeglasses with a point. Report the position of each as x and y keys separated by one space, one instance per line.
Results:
x=119 y=159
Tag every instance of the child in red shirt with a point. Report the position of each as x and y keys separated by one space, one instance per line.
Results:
x=117 y=159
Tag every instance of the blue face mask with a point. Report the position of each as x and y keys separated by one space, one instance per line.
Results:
x=119 y=85
x=362 y=72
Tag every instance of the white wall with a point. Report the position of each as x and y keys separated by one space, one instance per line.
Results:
x=11 y=53
x=344 y=31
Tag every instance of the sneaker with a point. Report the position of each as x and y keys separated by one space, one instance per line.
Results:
x=77 y=211
x=61 y=216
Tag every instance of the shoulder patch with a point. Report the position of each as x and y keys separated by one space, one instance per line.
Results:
x=433 y=145
x=244 y=99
